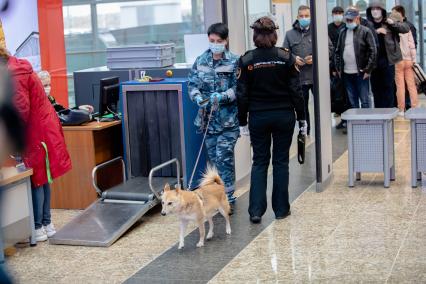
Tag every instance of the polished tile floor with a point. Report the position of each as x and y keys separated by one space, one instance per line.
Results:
x=364 y=234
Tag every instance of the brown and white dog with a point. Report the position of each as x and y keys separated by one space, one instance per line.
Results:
x=198 y=205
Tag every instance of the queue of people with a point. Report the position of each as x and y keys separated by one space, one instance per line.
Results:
x=374 y=57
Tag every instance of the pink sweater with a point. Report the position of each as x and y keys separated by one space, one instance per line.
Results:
x=408 y=48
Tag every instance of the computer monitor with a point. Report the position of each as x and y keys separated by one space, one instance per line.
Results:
x=109 y=96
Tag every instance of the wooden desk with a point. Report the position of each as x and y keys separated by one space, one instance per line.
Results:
x=16 y=214
x=88 y=145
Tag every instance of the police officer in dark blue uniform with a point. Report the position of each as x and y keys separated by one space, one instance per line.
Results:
x=268 y=90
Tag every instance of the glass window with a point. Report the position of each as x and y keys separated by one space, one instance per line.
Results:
x=255 y=10
x=90 y=29
x=77 y=19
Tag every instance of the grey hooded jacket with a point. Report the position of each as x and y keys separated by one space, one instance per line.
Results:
x=299 y=42
x=393 y=50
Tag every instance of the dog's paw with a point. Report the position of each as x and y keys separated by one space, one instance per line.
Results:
x=180 y=246
x=228 y=231
x=209 y=236
x=200 y=244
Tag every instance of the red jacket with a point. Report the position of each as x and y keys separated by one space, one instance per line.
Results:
x=41 y=122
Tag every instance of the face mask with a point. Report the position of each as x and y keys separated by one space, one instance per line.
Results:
x=351 y=26
x=304 y=22
x=338 y=18
x=377 y=14
x=47 y=90
x=217 y=48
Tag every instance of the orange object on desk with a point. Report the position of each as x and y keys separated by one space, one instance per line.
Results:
x=88 y=145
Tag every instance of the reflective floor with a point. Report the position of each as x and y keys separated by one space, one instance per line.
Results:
x=342 y=235
x=364 y=234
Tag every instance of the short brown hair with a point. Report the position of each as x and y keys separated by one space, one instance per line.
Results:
x=302 y=8
x=4 y=54
x=400 y=9
x=264 y=33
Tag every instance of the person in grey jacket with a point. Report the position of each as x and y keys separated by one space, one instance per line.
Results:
x=389 y=53
x=299 y=42
x=355 y=58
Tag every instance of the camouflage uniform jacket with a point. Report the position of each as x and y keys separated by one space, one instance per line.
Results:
x=206 y=78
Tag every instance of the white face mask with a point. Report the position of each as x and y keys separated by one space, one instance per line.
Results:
x=47 y=90
x=337 y=18
x=217 y=48
x=377 y=14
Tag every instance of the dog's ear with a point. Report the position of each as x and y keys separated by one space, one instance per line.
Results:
x=167 y=187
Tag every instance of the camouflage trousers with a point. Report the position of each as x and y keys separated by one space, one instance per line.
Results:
x=220 y=150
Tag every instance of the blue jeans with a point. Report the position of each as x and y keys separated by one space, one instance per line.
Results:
x=357 y=89
x=41 y=205
x=270 y=127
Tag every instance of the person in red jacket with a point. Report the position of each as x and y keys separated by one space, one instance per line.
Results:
x=45 y=149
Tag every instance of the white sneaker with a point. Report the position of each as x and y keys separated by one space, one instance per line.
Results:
x=50 y=230
x=40 y=235
x=401 y=114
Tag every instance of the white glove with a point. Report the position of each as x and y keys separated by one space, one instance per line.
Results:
x=244 y=130
x=303 y=127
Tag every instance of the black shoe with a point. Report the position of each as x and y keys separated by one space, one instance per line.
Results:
x=255 y=219
x=283 y=216
x=231 y=209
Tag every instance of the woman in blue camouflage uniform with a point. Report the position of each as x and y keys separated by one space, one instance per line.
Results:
x=212 y=84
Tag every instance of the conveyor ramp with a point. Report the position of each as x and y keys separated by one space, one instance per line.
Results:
x=108 y=218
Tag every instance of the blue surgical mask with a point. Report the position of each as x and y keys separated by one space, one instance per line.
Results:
x=217 y=48
x=338 y=18
x=351 y=26
x=304 y=22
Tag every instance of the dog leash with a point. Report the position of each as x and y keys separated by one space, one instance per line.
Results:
x=213 y=108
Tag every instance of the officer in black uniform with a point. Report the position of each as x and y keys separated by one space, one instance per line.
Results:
x=268 y=88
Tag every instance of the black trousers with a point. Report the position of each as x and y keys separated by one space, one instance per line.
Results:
x=383 y=86
x=265 y=127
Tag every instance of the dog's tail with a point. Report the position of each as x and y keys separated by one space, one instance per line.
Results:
x=211 y=176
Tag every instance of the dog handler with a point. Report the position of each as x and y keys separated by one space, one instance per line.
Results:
x=269 y=89
x=212 y=84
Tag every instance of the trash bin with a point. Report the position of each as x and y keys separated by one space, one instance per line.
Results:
x=417 y=117
x=371 y=142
